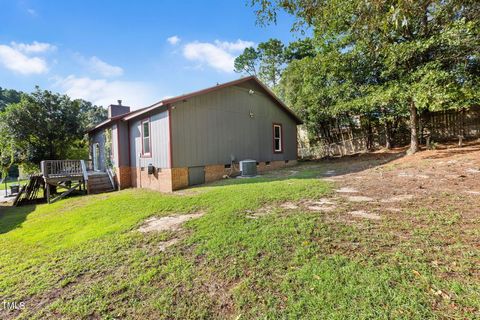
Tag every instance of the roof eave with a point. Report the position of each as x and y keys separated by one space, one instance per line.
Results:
x=143 y=111
x=166 y=102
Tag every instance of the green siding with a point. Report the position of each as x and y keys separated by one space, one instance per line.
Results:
x=159 y=137
x=213 y=127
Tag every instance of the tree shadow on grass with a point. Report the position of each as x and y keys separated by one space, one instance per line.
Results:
x=315 y=169
x=13 y=217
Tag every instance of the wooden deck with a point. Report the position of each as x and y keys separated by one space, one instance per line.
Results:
x=73 y=175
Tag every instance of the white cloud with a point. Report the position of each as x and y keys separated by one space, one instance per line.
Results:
x=173 y=40
x=32 y=12
x=13 y=59
x=103 y=68
x=104 y=92
x=34 y=47
x=219 y=55
x=98 y=66
x=238 y=45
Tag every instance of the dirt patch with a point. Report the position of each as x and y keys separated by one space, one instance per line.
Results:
x=394 y=209
x=6 y=200
x=359 y=199
x=475 y=193
x=346 y=190
x=399 y=198
x=317 y=205
x=289 y=206
x=167 y=223
x=364 y=214
x=165 y=244
x=261 y=212
x=320 y=205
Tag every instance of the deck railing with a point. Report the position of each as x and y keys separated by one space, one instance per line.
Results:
x=63 y=168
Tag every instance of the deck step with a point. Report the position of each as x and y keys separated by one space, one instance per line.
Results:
x=95 y=191
x=102 y=181
x=101 y=187
x=98 y=178
x=99 y=183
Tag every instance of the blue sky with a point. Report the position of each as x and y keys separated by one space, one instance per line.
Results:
x=137 y=51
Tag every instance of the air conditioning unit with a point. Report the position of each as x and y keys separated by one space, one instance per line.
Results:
x=248 y=168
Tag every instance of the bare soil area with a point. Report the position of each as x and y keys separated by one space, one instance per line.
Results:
x=448 y=177
x=169 y=223
x=426 y=204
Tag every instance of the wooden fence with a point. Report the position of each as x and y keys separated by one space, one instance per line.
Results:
x=438 y=126
x=448 y=125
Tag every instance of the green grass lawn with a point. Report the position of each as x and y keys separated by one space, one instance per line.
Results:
x=9 y=183
x=84 y=258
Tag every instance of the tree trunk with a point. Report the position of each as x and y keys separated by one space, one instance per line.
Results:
x=461 y=126
x=413 y=129
x=388 y=131
x=369 y=133
x=388 y=136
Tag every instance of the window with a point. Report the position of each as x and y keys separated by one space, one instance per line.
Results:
x=146 y=138
x=277 y=138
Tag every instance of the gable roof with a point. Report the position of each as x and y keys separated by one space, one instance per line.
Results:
x=113 y=119
x=166 y=102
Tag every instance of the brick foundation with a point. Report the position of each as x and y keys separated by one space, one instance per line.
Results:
x=217 y=172
x=160 y=180
x=124 y=177
x=179 y=178
x=168 y=180
x=274 y=165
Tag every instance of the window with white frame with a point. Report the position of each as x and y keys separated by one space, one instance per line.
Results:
x=146 y=137
x=277 y=138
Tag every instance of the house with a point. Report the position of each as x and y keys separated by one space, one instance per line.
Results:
x=197 y=137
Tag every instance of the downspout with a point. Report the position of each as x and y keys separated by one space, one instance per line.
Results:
x=170 y=155
x=140 y=171
x=130 y=154
x=118 y=155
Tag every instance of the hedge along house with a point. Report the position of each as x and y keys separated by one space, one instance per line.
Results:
x=197 y=137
